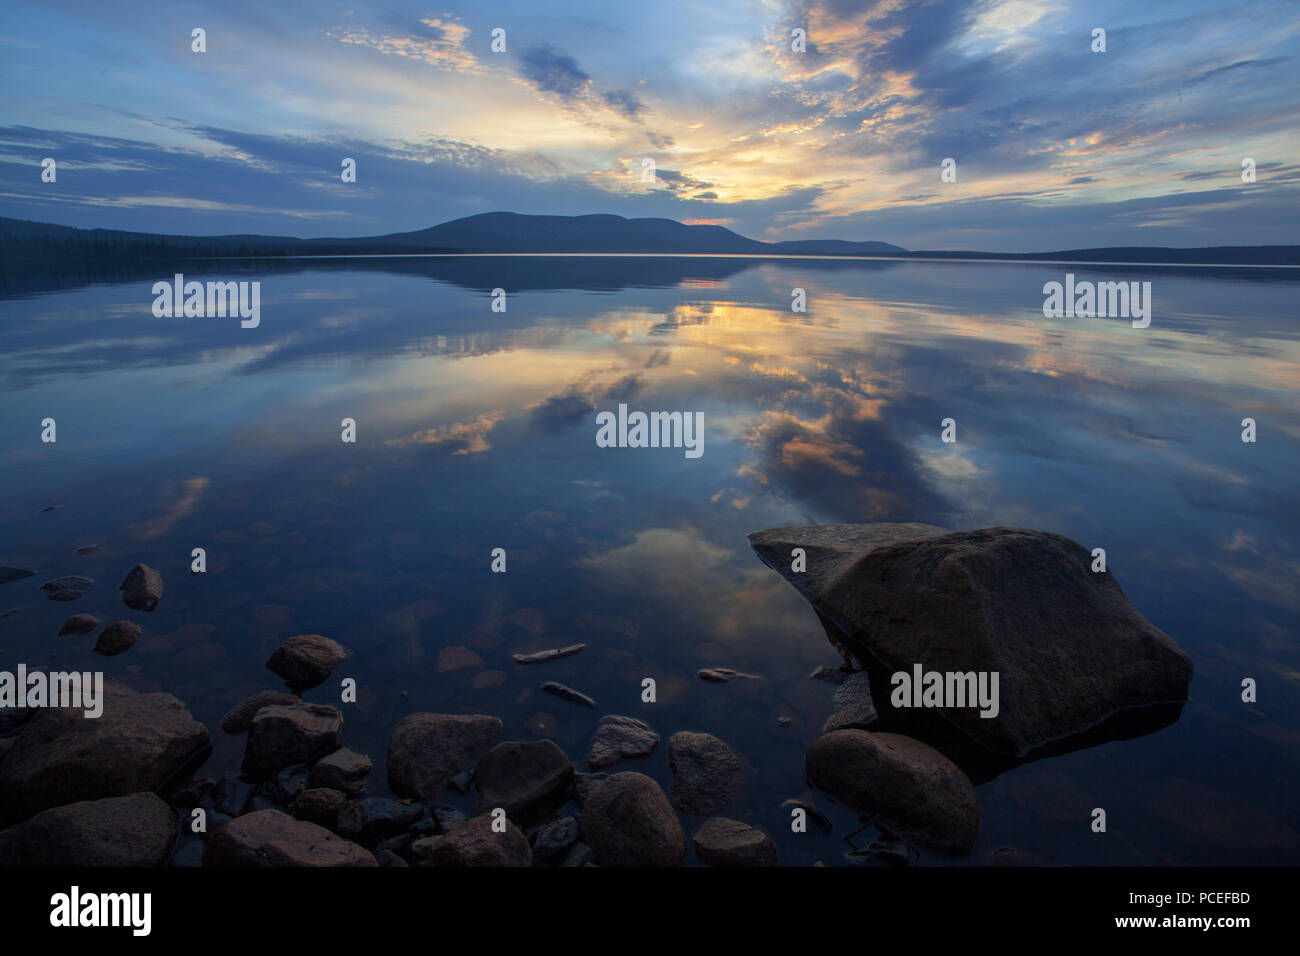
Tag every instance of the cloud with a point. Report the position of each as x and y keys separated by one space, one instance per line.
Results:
x=625 y=102
x=554 y=72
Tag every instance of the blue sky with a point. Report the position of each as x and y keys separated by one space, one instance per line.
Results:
x=1056 y=146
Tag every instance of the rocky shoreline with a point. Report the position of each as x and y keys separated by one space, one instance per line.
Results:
x=124 y=790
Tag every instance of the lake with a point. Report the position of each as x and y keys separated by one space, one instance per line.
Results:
x=476 y=430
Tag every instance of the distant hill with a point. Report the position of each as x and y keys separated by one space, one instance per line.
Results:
x=23 y=242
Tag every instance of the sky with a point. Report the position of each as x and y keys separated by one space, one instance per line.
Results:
x=1056 y=146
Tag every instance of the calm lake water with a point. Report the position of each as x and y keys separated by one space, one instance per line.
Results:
x=476 y=430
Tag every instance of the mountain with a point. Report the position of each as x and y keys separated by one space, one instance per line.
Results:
x=24 y=243
x=489 y=232
x=512 y=232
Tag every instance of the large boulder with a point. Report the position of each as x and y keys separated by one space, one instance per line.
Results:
x=912 y=788
x=1069 y=648
x=273 y=838
x=427 y=750
x=306 y=660
x=136 y=830
x=475 y=843
x=628 y=821
x=285 y=734
x=139 y=743
x=723 y=842
x=706 y=773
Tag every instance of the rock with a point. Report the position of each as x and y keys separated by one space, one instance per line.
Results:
x=273 y=838
x=584 y=784
x=140 y=743
x=284 y=734
x=342 y=770
x=723 y=842
x=474 y=843
x=79 y=624
x=720 y=675
x=567 y=693
x=457 y=658
x=706 y=774
x=553 y=840
x=141 y=588
x=241 y=715
x=85 y=549
x=190 y=855
x=539 y=657
x=8 y=574
x=914 y=790
x=136 y=830
x=305 y=661
x=579 y=855
x=192 y=793
x=290 y=782
x=233 y=793
x=427 y=750
x=489 y=680
x=463 y=782
x=618 y=737
x=528 y=779
x=118 y=638
x=813 y=812
x=1069 y=648
x=67 y=588
x=446 y=819
x=389 y=858
x=376 y=818
x=831 y=675
x=854 y=706
x=628 y=821
x=320 y=806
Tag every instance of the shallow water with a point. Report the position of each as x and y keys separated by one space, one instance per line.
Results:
x=476 y=430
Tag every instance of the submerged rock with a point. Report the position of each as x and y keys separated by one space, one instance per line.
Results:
x=475 y=843
x=538 y=657
x=721 y=675
x=305 y=661
x=427 y=750
x=553 y=841
x=241 y=715
x=135 y=830
x=723 y=842
x=282 y=735
x=273 y=838
x=628 y=821
x=79 y=624
x=914 y=790
x=618 y=737
x=140 y=743
x=67 y=588
x=528 y=779
x=568 y=693
x=141 y=588
x=118 y=638
x=8 y=574
x=1066 y=643
x=706 y=774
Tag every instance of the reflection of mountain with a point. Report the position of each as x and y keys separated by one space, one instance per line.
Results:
x=517 y=274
